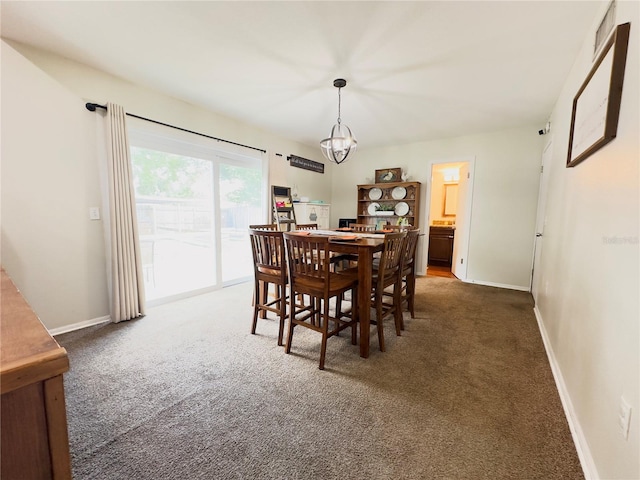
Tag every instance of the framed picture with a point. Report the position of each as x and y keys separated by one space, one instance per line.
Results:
x=389 y=175
x=596 y=106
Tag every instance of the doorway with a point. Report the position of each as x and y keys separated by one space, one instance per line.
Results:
x=449 y=219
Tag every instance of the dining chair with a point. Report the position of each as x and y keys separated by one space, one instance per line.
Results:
x=308 y=260
x=269 y=267
x=307 y=226
x=386 y=273
x=408 y=271
x=362 y=227
x=269 y=226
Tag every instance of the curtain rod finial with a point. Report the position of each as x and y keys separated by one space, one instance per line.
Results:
x=91 y=107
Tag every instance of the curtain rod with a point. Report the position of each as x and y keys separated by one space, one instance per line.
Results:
x=92 y=108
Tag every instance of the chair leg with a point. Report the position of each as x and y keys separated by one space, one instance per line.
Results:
x=264 y=297
x=324 y=318
x=411 y=290
x=354 y=317
x=256 y=308
x=281 y=290
x=397 y=307
x=379 y=326
x=292 y=315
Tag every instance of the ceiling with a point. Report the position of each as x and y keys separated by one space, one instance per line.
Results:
x=415 y=70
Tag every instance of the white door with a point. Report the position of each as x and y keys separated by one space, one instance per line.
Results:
x=463 y=223
x=541 y=218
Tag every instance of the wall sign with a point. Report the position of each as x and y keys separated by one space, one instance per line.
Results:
x=306 y=164
x=596 y=106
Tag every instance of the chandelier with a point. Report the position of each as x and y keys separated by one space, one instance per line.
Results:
x=341 y=143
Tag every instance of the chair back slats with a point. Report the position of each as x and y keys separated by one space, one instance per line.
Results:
x=269 y=226
x=268 y=250
x=409 y=253
x=307 y=226
x=362 y=227
x=391 y=256
x=308 y=258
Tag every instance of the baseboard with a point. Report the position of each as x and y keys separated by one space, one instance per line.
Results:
x=584 y=453
x=499 y=285
x=77 y=326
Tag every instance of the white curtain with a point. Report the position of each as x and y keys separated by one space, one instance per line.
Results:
x=126 y=282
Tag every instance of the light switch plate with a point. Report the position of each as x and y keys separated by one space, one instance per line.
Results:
x=94 y=213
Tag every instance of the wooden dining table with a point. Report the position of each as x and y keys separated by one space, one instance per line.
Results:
x=365 y=246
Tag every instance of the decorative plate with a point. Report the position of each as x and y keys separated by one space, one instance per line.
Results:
x=399 y=193
x=375 y=194
x=401 y=209
x=373 y=208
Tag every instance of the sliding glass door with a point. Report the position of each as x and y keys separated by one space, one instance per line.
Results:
x=240 y=206
x=194 y=206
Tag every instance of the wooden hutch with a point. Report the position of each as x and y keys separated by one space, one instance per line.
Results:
x=386 y=203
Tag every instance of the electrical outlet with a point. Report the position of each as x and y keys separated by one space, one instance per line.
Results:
x=624 y=417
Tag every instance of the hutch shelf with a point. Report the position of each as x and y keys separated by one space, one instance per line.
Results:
x=393 y=199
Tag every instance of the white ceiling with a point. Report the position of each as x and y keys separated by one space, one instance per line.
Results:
x=415 y=70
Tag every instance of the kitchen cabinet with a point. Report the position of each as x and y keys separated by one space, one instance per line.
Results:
x=400 y=199
x=313 y=213
x=441 y=246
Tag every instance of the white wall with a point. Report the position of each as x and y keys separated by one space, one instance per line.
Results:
x=50 y=175
x=100 y=87
x=50 y=248
x=588 y=301
x=507 y=171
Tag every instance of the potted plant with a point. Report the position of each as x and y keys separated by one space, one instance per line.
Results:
x=385 y=209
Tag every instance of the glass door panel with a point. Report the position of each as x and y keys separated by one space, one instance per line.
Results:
x=241 y=201
x=174 y=197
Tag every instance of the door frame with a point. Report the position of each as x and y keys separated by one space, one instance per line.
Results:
x=461 y=248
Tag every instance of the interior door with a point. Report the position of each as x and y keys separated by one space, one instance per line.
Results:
x=463 y=223
x=541 y=218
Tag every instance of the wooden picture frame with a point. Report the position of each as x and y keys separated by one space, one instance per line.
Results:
x=387 y=175
x=596 y=106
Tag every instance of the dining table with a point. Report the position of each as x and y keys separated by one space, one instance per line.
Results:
x=365 y=245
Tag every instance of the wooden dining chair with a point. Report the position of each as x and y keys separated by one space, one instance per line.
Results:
x=387 y=275
x=269 y=226
x=408 y=271
x=307 y=226
x=308 y=259
x=269 y=267
x=362 y=227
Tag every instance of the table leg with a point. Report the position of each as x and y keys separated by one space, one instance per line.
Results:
x=365 y=262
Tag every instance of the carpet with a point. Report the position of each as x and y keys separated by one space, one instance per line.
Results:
x=188 y=393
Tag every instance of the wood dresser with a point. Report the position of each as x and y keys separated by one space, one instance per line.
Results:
x=35 y=442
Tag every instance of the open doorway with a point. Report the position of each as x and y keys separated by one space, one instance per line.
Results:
x=450 y=199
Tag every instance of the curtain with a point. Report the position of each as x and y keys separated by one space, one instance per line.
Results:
x=126 y=282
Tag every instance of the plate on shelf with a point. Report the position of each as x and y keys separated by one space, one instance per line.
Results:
x=402 y=208
x=399 y=193
x=373 y=208
x=375 y=194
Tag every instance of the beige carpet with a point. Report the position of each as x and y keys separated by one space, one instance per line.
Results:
x=188 y=393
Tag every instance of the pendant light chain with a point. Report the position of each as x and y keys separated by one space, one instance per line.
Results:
x=339 y=103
